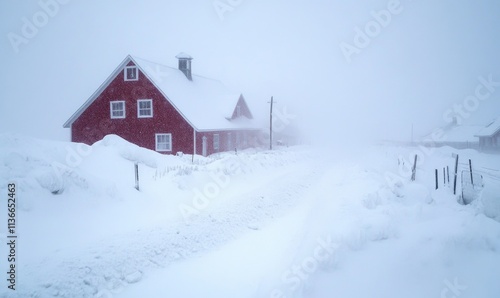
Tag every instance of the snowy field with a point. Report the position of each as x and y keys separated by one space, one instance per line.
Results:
x=293 y=222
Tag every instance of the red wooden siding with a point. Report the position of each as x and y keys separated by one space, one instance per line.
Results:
x=95 y=122
x=247 y=139
x=244 y=110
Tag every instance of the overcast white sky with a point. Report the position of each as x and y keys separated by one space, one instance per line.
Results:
x=428 y=58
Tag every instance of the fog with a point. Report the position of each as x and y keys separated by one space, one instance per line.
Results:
x=411 y=63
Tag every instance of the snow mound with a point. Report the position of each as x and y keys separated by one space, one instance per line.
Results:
x=135 y=153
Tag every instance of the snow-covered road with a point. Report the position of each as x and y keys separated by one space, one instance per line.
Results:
x=250 y=265
x=351 y=233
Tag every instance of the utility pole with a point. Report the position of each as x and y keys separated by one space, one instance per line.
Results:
x=271 y=125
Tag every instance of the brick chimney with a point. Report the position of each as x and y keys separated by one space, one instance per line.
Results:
x=185 y=64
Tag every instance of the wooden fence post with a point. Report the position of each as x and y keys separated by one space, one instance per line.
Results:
x=448 y=173
x=437 y=185
x=444 y=176
x=136 y=165
x=470 y=168
x=414 y=169
x=455 y=180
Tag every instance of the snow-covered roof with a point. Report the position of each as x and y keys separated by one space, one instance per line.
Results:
x=458 y=133
x=205 y=103
x=462 y=133
x=490 y=129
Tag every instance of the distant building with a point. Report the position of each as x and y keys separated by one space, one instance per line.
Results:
x=165 y=109
x=489 y=136
x=456 y=136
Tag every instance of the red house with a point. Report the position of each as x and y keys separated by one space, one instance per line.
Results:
x=165 y=109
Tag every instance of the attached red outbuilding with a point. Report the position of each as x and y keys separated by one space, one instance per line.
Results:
x=165 y=109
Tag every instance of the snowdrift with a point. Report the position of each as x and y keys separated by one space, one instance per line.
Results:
x=248 y=225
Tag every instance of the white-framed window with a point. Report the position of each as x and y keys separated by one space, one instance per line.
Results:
x=163 y=142
x=131 y=73
x=144 y=108
x=216 y=142
x=117 y=109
